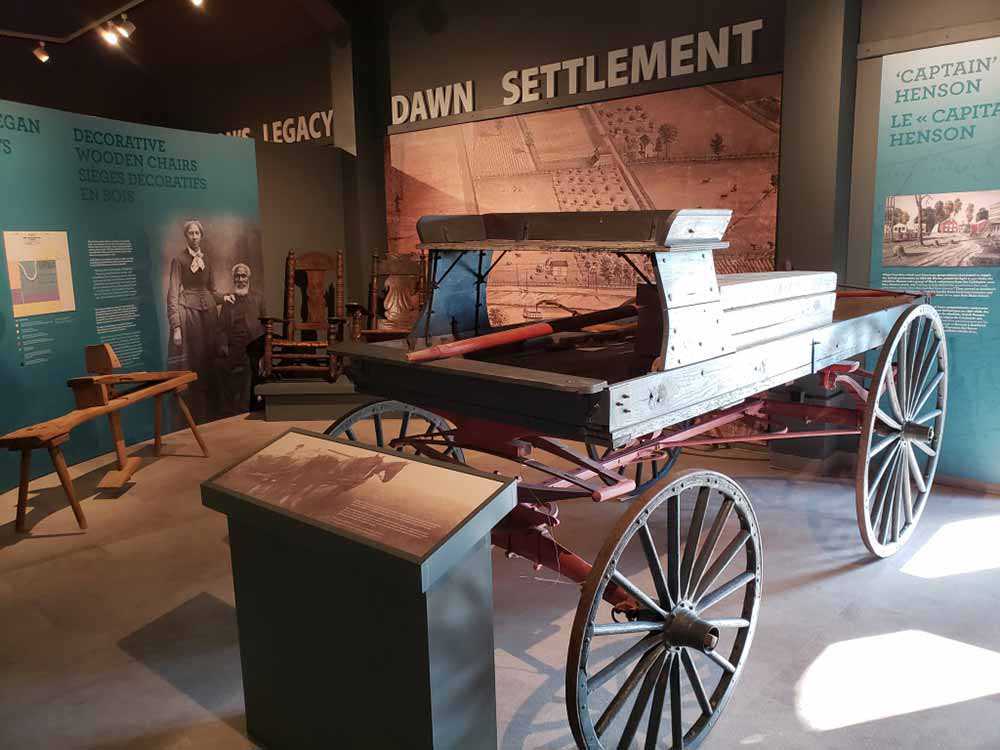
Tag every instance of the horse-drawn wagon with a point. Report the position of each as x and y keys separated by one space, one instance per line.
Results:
x=599 y=405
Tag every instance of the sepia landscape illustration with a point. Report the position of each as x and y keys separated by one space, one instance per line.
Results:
x=712 y=146
x=942 y=229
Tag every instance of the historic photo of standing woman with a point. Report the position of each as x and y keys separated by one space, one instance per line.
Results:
x=205 y=276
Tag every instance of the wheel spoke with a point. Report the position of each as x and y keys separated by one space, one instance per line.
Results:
x=696 y=685
x=638 y=473
x=929 y=416
x=730 y=622
x=892 y=388
x=656 y=711
x=694 y=534
x=916 y=359
x=897 y=508
x=878 y=507
x=874 y=485
x=379 y=440
x=673 y=547
x=676 y=727
x=876 y=449
x=915 y=470
x=721 y=661
x=622 y=660
x=624 y=628
x=638 y=593
x=403 y=424
x=902 y=381
x=641 y=700
x=727 y=556
x=710 y=543
x=927 y=394
x=653 y=560
x=886 y=419
x=924 y=370
x=724 y=590
x=627 y=688
x=350 y=434
x=924 y=448
x=907 y=501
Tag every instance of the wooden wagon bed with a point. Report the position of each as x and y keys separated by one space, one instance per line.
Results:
x=698 y=342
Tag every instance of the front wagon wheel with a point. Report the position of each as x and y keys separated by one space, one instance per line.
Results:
x=656 y=668
x=403 y=427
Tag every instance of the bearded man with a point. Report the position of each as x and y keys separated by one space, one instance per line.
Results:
x=240 y=324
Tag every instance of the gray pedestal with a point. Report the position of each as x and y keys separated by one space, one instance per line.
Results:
x=348 y=642
x=290 y=400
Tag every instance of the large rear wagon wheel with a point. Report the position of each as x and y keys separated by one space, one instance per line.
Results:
x=901 y=434
x=386 y=424
x=660 y=675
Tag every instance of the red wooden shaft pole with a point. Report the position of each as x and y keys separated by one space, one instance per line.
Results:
x=521 y=333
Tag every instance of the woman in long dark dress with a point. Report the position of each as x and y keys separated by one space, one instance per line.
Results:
x=192 y=314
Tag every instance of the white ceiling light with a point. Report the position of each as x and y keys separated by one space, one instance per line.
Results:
x=109 y=35
x=41 y=53
x=197 y=3
x=124 y=27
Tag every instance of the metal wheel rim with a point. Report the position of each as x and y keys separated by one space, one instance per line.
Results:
x=672 y=662
x=890 y=498
x=410 y=416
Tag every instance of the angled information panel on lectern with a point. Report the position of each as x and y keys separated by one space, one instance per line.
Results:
x=428 y=513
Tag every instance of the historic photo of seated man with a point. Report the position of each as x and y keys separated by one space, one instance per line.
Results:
x=239 y=326
x=210 y=308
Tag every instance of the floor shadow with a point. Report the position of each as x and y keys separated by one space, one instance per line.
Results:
x=43 y=502
x=195 y=648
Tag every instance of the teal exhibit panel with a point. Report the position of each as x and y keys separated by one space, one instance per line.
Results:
x=937 y=226
x=141 y=237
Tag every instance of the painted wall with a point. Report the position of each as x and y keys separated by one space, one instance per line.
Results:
x=94 y=222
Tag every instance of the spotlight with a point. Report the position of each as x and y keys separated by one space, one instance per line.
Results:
x=41 y=53
x=109 y=35
x=197 y=3
x=124 y=27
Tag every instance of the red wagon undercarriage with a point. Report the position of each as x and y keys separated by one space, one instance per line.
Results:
x=525 y=532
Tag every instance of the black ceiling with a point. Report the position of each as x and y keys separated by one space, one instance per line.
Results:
x=174 y=32
x=57 y=18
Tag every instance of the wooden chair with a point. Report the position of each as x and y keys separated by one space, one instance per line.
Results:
x=395 y=295
x=300 y=350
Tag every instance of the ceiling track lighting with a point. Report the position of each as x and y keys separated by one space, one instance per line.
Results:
x=108 y=34
x=41 y=53
x=124 y=27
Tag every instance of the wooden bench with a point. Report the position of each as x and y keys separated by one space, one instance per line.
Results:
x=97 y=395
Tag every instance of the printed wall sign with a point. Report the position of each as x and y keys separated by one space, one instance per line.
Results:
x=937 y=227
x=143 y=238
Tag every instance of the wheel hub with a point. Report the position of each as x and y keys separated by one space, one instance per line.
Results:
x=915 y=431
x=685 y=628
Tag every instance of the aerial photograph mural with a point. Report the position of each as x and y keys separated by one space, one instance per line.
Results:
x=713 y=146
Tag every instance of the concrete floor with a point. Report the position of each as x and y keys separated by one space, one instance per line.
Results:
x=124 y=637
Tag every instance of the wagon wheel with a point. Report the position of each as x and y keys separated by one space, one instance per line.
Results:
x=677 y=657
x=370 y=424
x=901 y=434
x=644 y=473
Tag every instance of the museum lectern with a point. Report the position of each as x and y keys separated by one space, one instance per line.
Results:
x=364 y=595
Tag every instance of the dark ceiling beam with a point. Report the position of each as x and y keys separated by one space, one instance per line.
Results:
x=76 y=34
x=324 y=14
